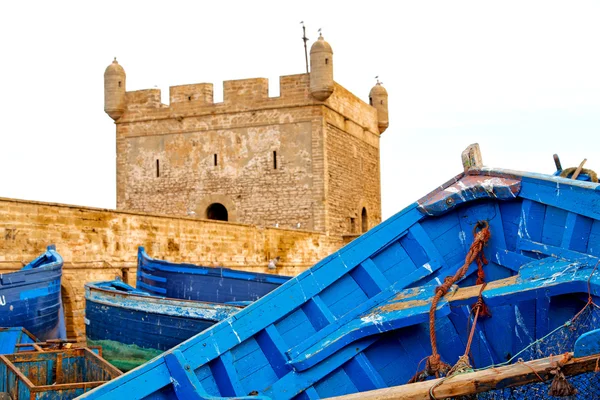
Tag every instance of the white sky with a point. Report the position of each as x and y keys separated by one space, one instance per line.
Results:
x=522 y=78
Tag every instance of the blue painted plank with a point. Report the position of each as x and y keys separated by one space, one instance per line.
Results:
x=588 y=344
x=569 y=196
x=362 y=373
x=226 y=377
x=274 y=348
x=553 y=251
x=185 y=383
x=511 y=215
x=369 y=278
x=577 y=233
x=317 y=313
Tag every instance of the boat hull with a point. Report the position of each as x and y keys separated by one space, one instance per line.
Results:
x=359 y=319
x=194 y=282
x=31 y=297
x=133 y=327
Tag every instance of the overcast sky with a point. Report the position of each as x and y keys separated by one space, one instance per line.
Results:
x=522 y=78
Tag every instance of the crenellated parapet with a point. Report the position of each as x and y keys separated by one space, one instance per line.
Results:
x=307 y=158
x=199 y=93
x=313 y=89
x=246 y=95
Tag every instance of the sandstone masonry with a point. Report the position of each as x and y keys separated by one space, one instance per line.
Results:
x=306 y=159
x=99 y=245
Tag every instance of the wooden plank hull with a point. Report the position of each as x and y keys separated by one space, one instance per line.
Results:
x=194 y=282
x=14 y=339
x=358 y=320
x=31 y=298
x=133 y=326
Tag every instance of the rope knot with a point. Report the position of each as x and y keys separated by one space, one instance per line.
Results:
x=442 y=289
x=435 y=366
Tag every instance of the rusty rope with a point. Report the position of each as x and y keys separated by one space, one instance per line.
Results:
x=463 y=365
x=434 y=365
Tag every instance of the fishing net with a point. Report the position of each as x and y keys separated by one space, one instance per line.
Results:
x=555 y=344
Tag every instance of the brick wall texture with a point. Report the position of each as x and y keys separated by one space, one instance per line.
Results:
x=99 y=244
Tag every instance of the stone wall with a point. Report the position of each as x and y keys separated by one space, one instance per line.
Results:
x=354 y=183
x=266 y=159
x=252 y=153
x=352 y=163
x=99 y=244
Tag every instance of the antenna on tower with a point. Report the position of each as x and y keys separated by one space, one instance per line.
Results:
x=305 y=39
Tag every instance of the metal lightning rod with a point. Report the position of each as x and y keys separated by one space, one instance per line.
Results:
x=305 y=39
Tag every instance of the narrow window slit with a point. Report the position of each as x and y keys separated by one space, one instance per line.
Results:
x=157 y=169
x=274 y=160
x=215 y=160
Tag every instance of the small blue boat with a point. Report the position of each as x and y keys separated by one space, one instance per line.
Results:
x=31 y=298
x=194 y=282
x=133 y=326
x=359 y=319
x=15 y=339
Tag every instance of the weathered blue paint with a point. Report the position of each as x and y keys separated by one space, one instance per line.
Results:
x=49 y=375
x=194 y=282
x=11 y=337
x=588 y=344
x=31 y=298
x=357 y=320
x=120 y=313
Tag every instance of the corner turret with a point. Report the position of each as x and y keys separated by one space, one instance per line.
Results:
x=321 y=70
x=378 y=98
x=114 y=90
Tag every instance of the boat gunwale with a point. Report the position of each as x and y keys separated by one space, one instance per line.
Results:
x=169 y=266
x=191 y=304
x=53 y=266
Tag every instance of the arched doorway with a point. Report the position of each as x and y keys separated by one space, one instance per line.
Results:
x=217 y=211
x=364 y=220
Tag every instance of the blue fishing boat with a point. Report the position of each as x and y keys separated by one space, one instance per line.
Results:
x=512 y=254
x=133 y=326
x=31 y=298
x=15 y=339
x=195 y=282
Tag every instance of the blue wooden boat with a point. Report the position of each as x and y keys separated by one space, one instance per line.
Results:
x=133 y=326
x=15 y=339
x=359 y=319
x=31 y=298
x=54 y=374
x=194 y=282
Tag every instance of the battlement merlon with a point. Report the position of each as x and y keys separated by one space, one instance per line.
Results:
x=245 y=95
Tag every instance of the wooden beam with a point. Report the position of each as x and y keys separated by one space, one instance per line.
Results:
x=481 y=381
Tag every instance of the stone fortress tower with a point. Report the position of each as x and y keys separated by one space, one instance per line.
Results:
x=308 y=159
